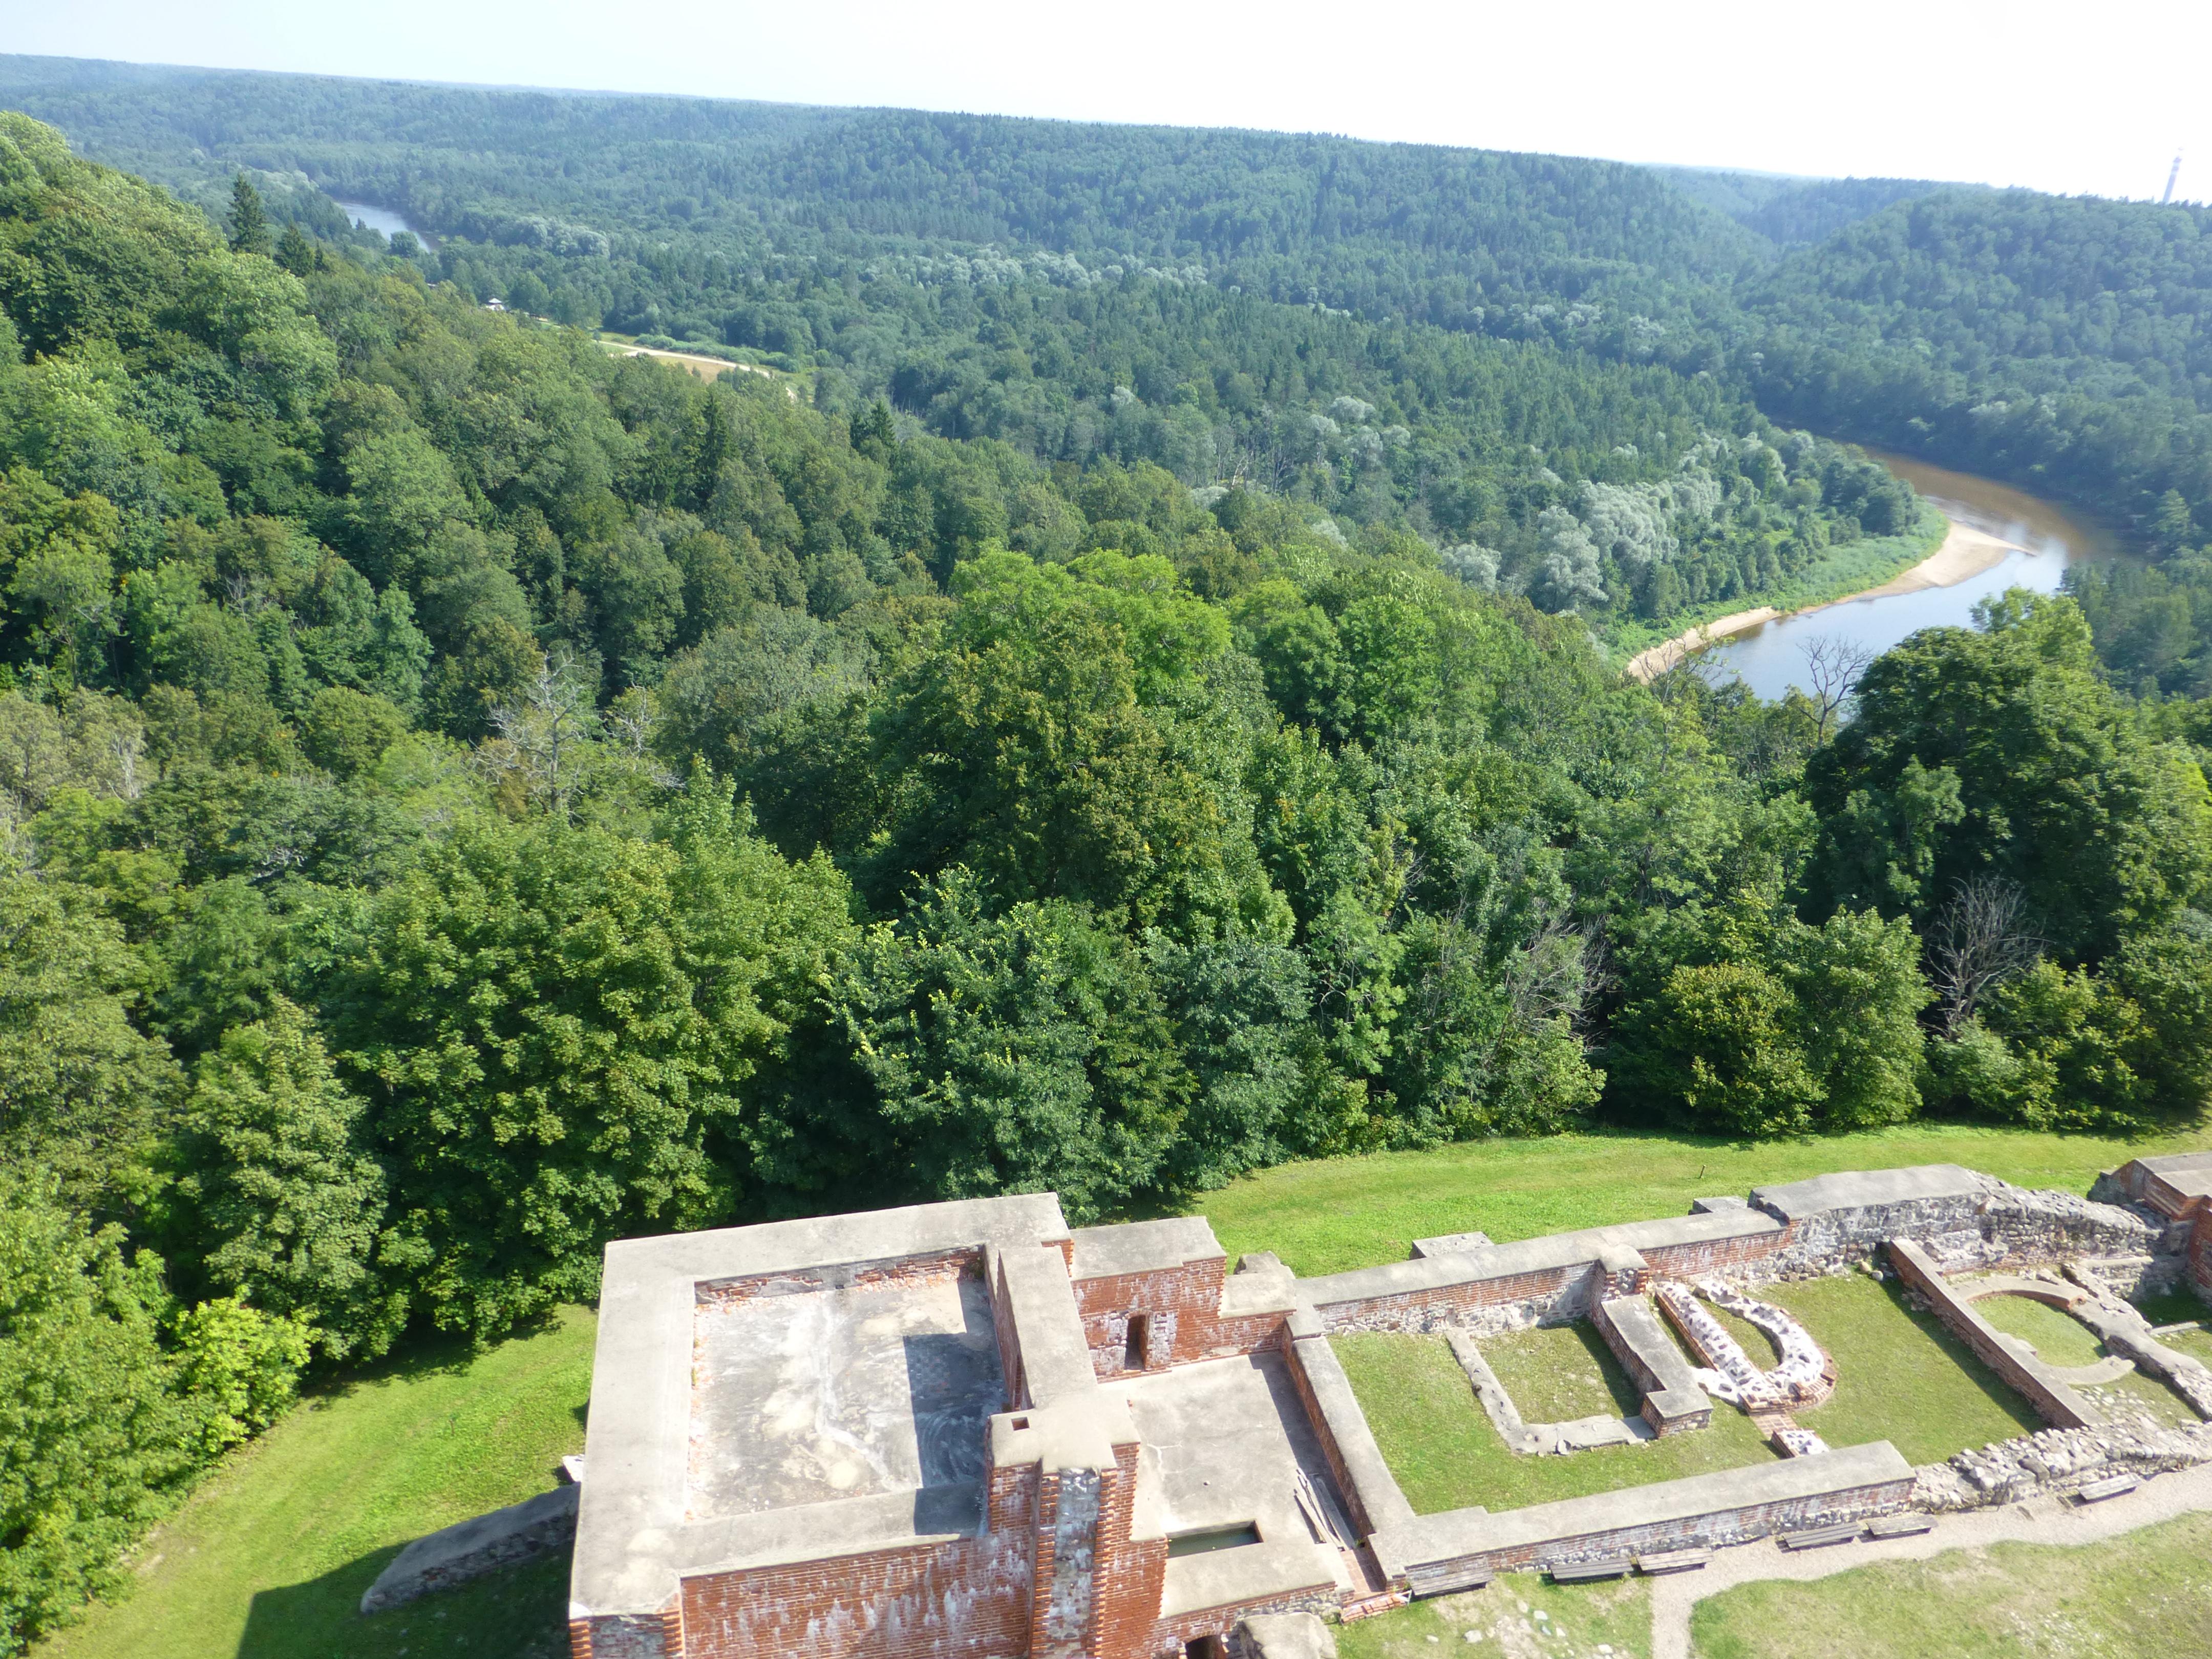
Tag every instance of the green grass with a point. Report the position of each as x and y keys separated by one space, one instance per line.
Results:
x=2193 y=1342
x=2171 y=1307
x=2145 y=1596
x=1758 y=1346
x=2060 y=1339
x=1584 y=1616
x=1852 y=567
x=1446 y=1455
x=2147 y=1395
x=1900 y=1376
x=1325 y=1216
x=268 y=1558
x=1563 y=1372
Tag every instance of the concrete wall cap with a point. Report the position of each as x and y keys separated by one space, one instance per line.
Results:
x=1137 y=1247
x=1459 y=1533
x=1289 y=1635
x=1866 y=1189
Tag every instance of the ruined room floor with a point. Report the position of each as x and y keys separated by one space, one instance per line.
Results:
x=843 y=1392
x=1225 y=1442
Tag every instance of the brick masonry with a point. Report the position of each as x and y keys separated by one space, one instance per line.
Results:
x=1719 y=1526
x=2056 y=1403
x=1049 y=1567
x=1183 y=1323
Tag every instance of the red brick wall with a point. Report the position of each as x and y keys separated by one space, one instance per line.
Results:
x=1185 y=1305
x=1361 y=1521
x=1467 y=1296
x=1009 y=1347
x=1127 y=1586
x=969 y=1599
x=2200 y=1252
x=1169 y=1634
x=2166 y=1198
x=937 y=1264
x=1708 y=1256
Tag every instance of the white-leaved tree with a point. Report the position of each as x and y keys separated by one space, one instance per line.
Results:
x=1567 y=579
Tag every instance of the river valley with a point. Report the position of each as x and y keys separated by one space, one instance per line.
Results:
x=2002 y=537
x=382 y=219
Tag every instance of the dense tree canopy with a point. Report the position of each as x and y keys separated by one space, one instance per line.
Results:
x=1105 y=716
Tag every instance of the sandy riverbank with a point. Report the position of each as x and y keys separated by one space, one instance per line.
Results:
x=1965 y=552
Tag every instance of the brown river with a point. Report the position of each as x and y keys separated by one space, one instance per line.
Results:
x=2044 y=538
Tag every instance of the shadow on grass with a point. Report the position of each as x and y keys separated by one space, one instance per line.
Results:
x=422 y=1353
x=520 y=1612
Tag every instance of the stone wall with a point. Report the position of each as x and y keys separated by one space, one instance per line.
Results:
x=1672 y=1403
x=2055 y=1402
x=1704 y=1512
x=1805 y=1228
x=1962 y=1219
x=2055 y=1460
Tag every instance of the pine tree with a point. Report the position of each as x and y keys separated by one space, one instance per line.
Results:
x=249 y=225
x=296 y=253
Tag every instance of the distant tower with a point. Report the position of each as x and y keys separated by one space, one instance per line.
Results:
x=2172 y=173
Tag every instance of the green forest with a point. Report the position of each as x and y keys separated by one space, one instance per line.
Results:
x=1131 y=695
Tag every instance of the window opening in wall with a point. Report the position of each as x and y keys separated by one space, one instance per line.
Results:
x=1216 y=1537
x=1205 y=1647
x=1135 y=1346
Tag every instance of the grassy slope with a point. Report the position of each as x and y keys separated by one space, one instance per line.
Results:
x=2147 y=1595
x=1327 y=1216
x=270 y=1557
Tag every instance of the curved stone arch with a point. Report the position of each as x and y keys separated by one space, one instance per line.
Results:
x=1806 y=1376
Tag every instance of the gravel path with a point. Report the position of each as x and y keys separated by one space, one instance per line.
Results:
x=2043 y=1520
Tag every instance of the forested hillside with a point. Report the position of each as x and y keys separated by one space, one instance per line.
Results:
x=468 y=797
x=2051 y=343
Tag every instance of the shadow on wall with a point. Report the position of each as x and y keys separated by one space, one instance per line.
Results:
x=519 y=1614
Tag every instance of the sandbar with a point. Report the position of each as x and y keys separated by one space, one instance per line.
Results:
x=1966 y=552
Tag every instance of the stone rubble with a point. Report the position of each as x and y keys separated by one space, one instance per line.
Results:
x=1799 y=1443
x=1802 y=1378
x=2057 y=1460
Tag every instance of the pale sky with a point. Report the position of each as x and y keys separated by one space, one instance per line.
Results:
x=2075 y=97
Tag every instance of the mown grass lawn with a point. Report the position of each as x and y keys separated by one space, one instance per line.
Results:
x=1560 y=1373
x=1327 y=1215
x=1518 y=1613
x=2059 y=1339
x=2146 y=1595
x=1900 y=1376
x=1446 y=1455
x=268 y=1558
